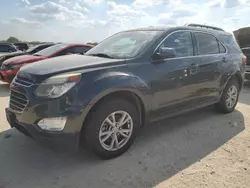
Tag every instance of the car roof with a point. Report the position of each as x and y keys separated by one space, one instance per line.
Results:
x=77 y=44
x=173 y=28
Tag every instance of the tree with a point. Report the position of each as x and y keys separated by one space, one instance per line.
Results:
x=92 y=43
x=12 y=40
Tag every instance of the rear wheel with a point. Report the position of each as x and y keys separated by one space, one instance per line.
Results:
x=111 y=129
x=229 y=97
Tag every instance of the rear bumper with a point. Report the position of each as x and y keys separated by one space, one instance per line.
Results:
x=60 y=141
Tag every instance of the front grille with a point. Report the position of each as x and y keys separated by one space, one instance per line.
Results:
x=23 y=81
x=18 y=100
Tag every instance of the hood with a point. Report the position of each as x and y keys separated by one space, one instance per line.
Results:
x=68 y=63
x=23 y=59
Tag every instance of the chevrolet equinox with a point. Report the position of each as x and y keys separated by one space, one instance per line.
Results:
x=134 y=77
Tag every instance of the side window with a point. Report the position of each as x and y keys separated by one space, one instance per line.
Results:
x=230 y=42
x=2 y=49
x=6 y=48
x=79 y=49
x=181 y=43
x=9 y=49
x=206 y=44
x=221 y=48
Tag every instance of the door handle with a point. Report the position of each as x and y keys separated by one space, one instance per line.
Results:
x=193 y=68
x=224 y=59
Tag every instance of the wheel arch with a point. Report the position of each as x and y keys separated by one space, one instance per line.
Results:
x=237 y=75
x=134 y=97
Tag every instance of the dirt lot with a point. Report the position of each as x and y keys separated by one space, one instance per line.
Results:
x=198 y=149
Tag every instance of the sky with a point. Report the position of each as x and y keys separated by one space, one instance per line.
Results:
x=94 y=20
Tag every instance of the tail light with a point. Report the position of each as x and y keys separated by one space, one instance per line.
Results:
x=244 y=60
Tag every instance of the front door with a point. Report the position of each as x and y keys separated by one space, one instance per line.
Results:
x=172 y=84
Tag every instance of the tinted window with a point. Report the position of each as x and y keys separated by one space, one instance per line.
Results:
x=221 y=47
x=78 y=49
x=206 y=44
x=73 y=50
x=64 y=52
x=181 y=42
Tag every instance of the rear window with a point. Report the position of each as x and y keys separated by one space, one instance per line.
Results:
x=230 y=41
x=206 y=44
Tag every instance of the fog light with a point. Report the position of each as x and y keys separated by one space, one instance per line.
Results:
x=52 y=124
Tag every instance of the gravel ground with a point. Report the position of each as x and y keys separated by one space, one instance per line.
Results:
x=198 y=149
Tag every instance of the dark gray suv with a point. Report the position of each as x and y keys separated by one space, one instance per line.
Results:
x=134 y=77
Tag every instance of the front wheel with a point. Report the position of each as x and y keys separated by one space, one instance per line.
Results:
x=111 y=129
x=229 y=97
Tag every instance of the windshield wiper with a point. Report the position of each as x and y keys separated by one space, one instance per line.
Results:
x=36 y=55
x=101 y=55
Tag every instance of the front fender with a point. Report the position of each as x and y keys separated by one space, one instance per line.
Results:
x=90 y=93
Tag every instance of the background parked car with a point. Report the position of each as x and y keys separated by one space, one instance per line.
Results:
x=7 y=48
x=246 y=52
x=30 y=51
x=11 y=66
x=22 y=46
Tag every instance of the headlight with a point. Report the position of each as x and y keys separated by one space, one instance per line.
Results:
x=56 y=86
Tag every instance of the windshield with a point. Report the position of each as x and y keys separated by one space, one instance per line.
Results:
x=51 y=50
x=32 y=48
x=124 y=45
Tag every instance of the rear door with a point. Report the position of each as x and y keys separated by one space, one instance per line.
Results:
x=212 y=55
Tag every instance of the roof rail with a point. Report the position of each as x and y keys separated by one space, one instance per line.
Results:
x=204 y=26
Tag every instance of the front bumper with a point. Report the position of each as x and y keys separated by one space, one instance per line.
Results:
x=61 y=141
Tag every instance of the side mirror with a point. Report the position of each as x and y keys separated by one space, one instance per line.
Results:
x=165 y=52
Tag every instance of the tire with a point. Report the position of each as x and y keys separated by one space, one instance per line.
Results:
x=97 y=124
x=222 y=105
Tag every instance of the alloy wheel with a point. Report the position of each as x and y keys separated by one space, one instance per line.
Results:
x=116 y=130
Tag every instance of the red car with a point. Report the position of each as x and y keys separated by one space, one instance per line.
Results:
x=11 y=66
